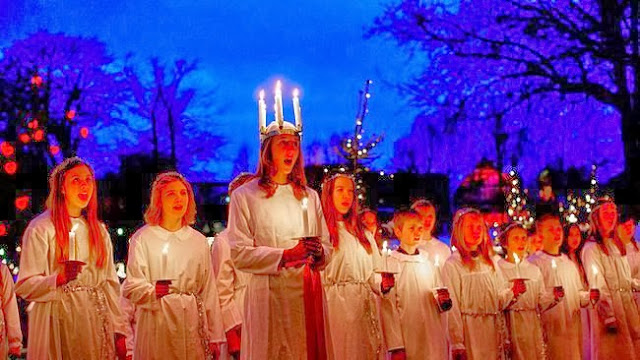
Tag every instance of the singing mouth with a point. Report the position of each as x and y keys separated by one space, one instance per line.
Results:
x=83 y=197
x=288 y=162
x=345 y=204
x=178 y=207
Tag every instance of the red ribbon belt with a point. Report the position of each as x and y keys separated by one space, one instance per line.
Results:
x=314 y=315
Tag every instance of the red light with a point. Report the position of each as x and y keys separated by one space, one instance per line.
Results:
x=10 y=167
x=39 y=135
x=3 y=229
x=36 y=80
x=33 y=124
x=24 y=137
x=54 y=149
x=22 y=202
x=71 y=114
x=84 y=132
x=7 y=149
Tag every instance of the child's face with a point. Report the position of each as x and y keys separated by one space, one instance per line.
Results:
x=428 y=216
x=78 y=188
x=551 y=232
x=574 y=238
x=517 y=241
x=473 y=231
x=174 y=199
x=626 y=230
x=608 y=215
x=370 y=221
x=285 y=150
x=410 y=233
x=343 y=195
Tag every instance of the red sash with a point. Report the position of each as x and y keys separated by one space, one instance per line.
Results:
x=314 y=315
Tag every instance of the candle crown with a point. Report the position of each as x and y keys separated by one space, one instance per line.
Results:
x=279 y=125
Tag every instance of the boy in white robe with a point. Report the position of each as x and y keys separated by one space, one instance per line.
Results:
x=430 y=245
x=412 y=310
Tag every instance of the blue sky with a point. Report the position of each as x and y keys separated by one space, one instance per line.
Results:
x=243 y=46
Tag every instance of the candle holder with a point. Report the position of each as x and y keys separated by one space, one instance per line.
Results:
x=443 y=299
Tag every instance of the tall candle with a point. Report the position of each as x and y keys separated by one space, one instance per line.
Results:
x=262 y=111
x=594 y=269
x=165 y=255
x=72 y=242
x=438 y=273
x=516 y=259
x=278 y=105
x=305 y=216
x=385 y=253
x=554 y=266
x=297 y=113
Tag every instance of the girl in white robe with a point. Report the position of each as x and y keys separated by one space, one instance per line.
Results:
x=479 y=291
x=231 y=283
x=181 y=320
x=269 y=233
x=10 y=330
x=561 y=324
x=523 y=318
x=349 y=280
x=411 y=316
x=625 y=230
x=615 y=321
x=75 y=312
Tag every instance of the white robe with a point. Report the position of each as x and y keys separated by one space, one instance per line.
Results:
x=633 y=257
x=562 y=323
x=351 y=287
x=410 y=312
x=76 y=320
x=616 y=304
x=434 y=247
x=260 y=229
x=476 y=322
x=130 y=313
x=523 y=317
x=231 y=284
x=173 y=327
x=10 y=330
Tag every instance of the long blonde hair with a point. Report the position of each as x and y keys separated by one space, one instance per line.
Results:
x=153 y=214
x=57 y=205
x=457 y=239
x=266 y=169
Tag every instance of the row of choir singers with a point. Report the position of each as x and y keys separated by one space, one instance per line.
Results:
x=288 y=281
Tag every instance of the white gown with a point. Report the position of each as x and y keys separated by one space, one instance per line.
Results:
x=351 y=287
x=523 y=317
x=410 y=312
x=616 y=304
x=10 y=330
x=231 y=284
x=562 y=323
x=78 y=319
x=181 y=324
x=633 y=256
x=435 y=247
x=129 y=312
x=260 y=229
x=476 y=322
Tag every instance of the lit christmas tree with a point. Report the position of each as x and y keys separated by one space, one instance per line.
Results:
x=357 y=152
x=516 y=200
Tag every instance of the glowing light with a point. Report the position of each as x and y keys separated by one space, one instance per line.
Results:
x=120 y=231
x=10 y=167
x=84 y=132
x=7 y=149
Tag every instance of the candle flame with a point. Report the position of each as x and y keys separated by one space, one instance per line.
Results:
x=384 y=246
x=296 y=92
x=305 y=203
x=165 y=248
x=278 y=86
x=262 y=95
x=553 y=263
x=453 y=248
x=437 y=261
x=75 y=227
x=594 y=269
x=516 y=258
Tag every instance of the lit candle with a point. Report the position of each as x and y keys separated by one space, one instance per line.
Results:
x=296 y=108
x=594 y=269
x=516 y=259
x=385 y=253
x=453 y=248
x=438 y=274
x=165 y=254
x=554 y=266
x=305 y=216
x=72 y=242
x=262 y=111
x=278 y=105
